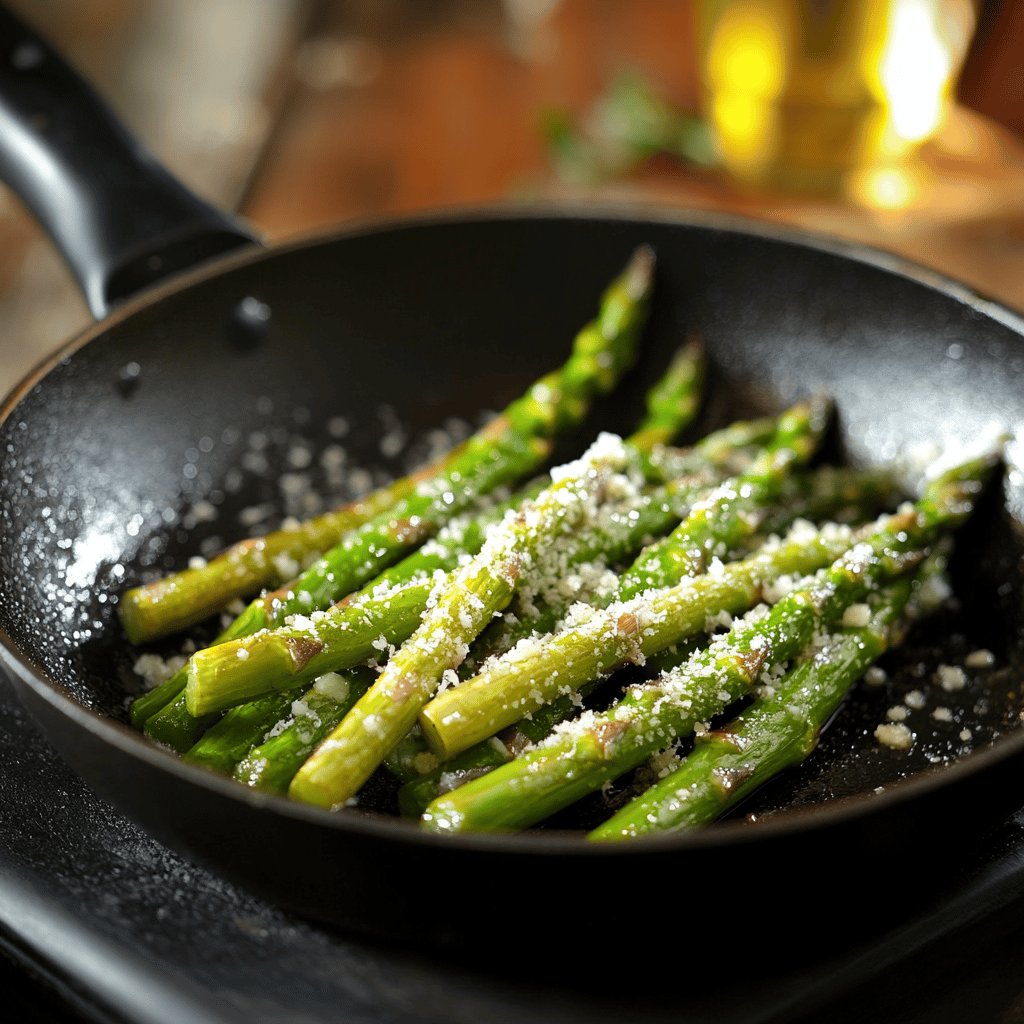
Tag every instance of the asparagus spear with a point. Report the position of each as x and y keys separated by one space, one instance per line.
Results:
x=728 y=448
x=533 y=673
x=507 y=447
x=583 y=755
x=271 y=765
x=185 y=598
x=672 y=403
x=778 y=730
x=526 y=541
x=417 y=793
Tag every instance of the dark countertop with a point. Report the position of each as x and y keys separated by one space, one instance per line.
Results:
x=111 y=926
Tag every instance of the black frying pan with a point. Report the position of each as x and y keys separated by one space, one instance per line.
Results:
x=441 y=316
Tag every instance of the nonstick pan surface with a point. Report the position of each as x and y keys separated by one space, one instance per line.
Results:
x=106 y=452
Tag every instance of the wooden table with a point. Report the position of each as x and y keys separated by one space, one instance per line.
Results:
x=338 y=111
x=447 y=117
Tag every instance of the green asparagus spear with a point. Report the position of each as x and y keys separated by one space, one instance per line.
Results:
x=778 y=730
x=672 y=402
x=271 y=765
x=417 y=793
x=527 y=542
x=729 y=449
x=583 y=755
x=185 y=598
x=227 y=741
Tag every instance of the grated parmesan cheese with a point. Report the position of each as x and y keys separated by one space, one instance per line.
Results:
x=896 y=736
x=875 y=676
x=980 y=659
x=857 y=616
x=951 y=678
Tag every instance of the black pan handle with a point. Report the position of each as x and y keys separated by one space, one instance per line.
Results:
x=119 y=218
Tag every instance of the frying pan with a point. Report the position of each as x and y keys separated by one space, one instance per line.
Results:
x=106 y=446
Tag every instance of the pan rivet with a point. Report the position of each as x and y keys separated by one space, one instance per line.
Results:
x=249 y=322
x=128 y=379
x=26 y=56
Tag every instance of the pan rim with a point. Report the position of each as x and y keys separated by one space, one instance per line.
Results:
x=729 y=834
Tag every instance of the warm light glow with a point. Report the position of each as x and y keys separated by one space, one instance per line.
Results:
x=883 y=188
x=915 y=69
x=747 y=67
x=815 y=95
x=747 y=51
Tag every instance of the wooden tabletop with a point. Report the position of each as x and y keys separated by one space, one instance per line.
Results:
x=382 y=122
x=338 y=111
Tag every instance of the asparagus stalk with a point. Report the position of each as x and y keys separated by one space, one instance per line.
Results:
x=416 y=795
x=532 y=674
x=271 y=764
x=186 y=598
x=507 y=447
x=227 y=741
x=583 y=755
x=673 y=401
x=779 y=729
x=526 y=541
x=729 y=448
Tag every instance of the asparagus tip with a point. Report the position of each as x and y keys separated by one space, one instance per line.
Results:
x=639 y=272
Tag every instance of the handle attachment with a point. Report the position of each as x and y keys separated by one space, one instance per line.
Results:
x=119 y=218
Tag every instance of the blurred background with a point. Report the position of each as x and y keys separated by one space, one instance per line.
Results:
x=897 y=122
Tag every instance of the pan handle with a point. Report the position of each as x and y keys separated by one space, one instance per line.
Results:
x=121 y=221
